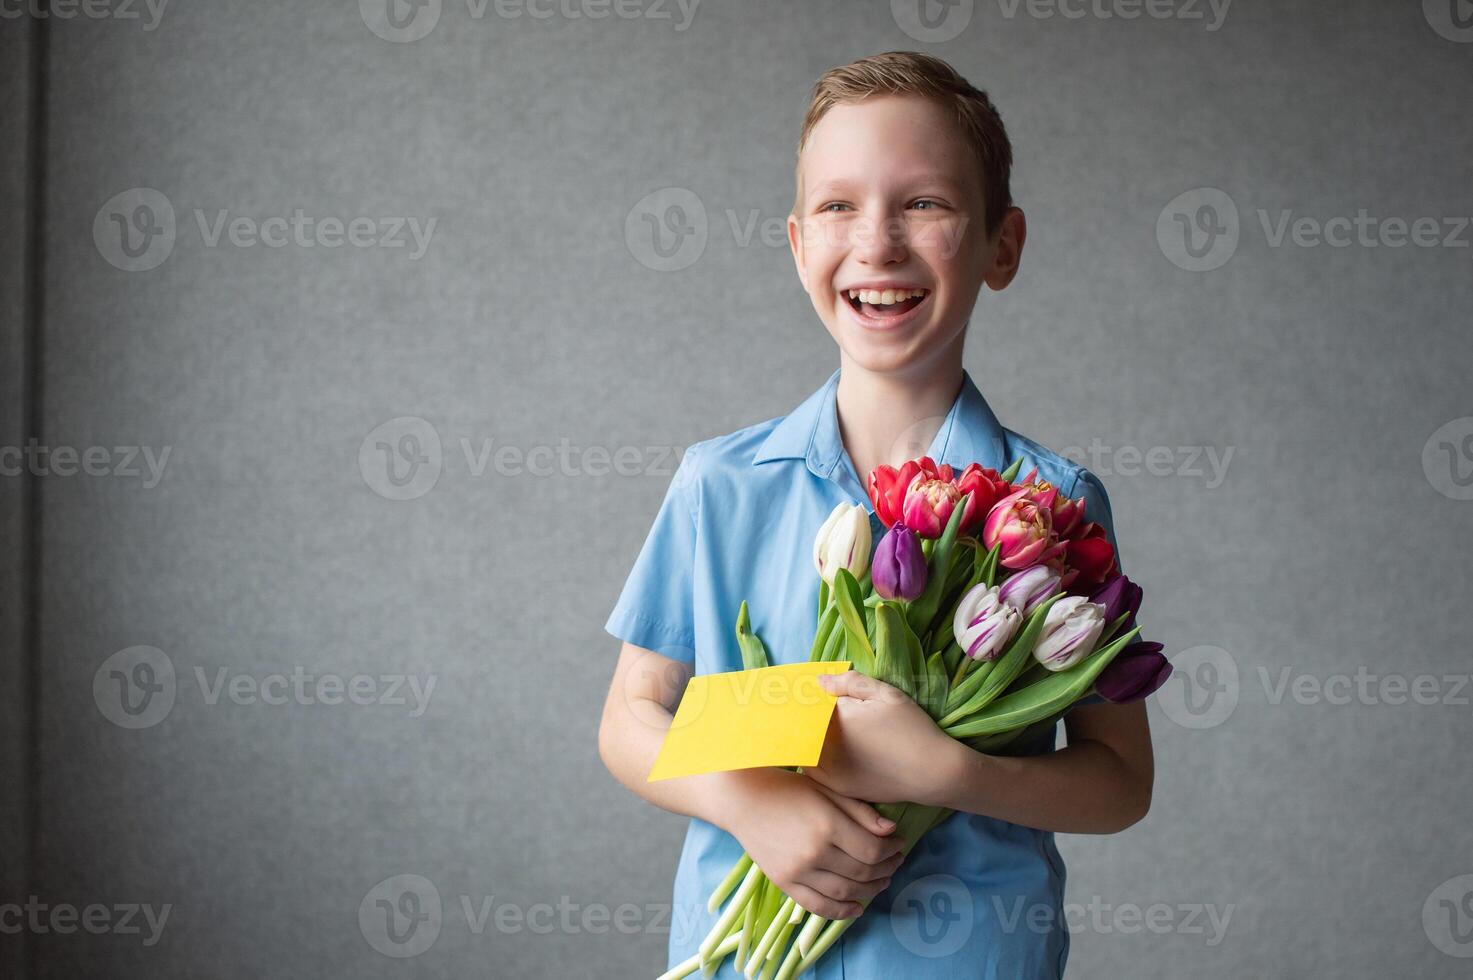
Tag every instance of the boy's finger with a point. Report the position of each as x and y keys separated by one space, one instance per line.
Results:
x=857 y=810
x=851 y=683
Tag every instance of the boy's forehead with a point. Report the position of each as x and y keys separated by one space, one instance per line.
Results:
x=905 y=138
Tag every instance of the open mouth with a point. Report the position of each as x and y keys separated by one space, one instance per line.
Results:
x=885 y=303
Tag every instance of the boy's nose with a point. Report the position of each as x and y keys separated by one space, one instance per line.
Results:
x=880 y=241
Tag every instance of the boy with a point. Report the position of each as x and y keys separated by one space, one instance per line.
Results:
x=903 y=212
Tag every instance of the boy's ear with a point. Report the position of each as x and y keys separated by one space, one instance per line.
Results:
x=1008 y=252
x=795 y=242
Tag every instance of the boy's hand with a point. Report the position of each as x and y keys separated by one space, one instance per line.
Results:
x=827 y=851
x=881 y=746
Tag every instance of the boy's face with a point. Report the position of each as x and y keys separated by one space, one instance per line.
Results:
x=892 y=199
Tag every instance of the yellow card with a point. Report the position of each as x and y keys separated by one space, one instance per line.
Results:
x=772 y=716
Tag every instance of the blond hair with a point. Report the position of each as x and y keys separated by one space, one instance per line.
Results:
x=913 y=73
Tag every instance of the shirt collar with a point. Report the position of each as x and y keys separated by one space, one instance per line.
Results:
x=970 y=433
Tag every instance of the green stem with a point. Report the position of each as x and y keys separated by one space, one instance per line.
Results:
x=737 y=906
x=733 y=876
x=687 y=967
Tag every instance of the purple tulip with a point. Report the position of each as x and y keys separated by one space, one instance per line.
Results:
x=1119 y=596
x=899 y=567
x=1135 y=673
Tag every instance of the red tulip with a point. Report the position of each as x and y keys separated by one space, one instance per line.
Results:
x=1091 y=556
x=986 y=489
x=1068 y=516
x=887 y=486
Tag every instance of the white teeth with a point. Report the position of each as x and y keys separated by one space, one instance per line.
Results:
x=884 y=297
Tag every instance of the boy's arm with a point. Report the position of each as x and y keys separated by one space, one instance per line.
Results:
x=827 y=851
x=1099 y=784
x=637 y=712
x=886 y=748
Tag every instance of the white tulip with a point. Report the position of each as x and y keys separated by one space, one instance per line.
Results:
x=1070 y=630
x=843 y=542
x=984 y=624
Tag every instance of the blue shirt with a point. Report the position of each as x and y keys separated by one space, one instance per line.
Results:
x=977 y=897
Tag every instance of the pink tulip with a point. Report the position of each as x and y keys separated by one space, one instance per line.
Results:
x=928 y=505
x=1022 y=527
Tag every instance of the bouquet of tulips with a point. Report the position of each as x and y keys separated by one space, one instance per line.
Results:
x=994 y=605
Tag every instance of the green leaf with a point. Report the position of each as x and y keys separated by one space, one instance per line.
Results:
x=1052 y=695
x=850 y=602
x=933 y=691
x=1011 y=473
x=827 y=624
x=892 y=650
x=754 y=654
x=834 y=645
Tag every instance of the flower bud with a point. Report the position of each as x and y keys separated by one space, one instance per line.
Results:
x=843 y=542
x=1026 y=589
x=899 y=570
x=1070 y=631
x=983 y=624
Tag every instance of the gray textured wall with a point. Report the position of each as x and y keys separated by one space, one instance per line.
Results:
x=1332 y=837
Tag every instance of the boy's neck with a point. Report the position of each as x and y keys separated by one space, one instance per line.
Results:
x=888 y=419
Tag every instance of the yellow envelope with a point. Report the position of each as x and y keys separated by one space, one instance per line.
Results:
x=772 y=716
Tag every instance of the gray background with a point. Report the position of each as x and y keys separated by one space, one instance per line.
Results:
x=1321 y=829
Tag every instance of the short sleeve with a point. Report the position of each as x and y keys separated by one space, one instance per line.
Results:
x=656 y=609
x=1097 y=509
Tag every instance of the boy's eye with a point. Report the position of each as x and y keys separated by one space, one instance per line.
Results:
x=926 y=204
x=833 y=206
